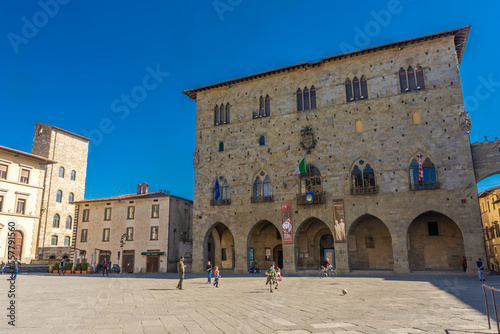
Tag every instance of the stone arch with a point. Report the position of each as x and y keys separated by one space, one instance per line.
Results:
x=370 y=244
x=263 y=238
x=307 y=240
x=355 y=69
x=486 y=158
x=435 y=242
x=218 y=246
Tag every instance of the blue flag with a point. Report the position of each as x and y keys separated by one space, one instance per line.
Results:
x=217 y=189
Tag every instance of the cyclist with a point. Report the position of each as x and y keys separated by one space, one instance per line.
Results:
x=326 y=265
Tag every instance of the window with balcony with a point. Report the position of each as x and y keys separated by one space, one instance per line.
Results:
x=363 y=179
x=221 y=192
x=262 y=189
x=424 y=177
x=310 y=184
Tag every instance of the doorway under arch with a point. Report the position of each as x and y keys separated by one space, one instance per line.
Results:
x=370 y=245
x=265 y=243
x=435 y=242
x=314 y=241
x=218 y=247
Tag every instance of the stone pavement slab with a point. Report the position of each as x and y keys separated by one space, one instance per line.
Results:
x=149 y=303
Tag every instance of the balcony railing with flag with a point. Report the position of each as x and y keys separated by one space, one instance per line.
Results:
x=259 y=199
x=424 y=185
x=220 y=201
x=319 y=197
x=364 y=190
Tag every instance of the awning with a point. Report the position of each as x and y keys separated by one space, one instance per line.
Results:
x=153 y=253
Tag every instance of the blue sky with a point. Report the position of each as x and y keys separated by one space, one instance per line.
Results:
x=114 y=70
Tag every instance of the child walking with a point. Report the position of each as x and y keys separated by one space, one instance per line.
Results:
x=270 y=272
x=277 y=279
x=216 y=276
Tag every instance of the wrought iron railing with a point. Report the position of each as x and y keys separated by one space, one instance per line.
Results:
x=259 y=199
x=364 y=190
x=319 y=197
x=424 y=185
x=220 y=201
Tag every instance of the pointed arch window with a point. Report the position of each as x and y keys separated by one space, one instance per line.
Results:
x=262 y=140
x=310 y=182
x=306 y=99
x=221 y=146
x=429 y=180
x=412 y=79
x=216 y=115
x=356 y=90
x=267 y=107
x=313 y=97
x=222 y=114
x=300 y=105
x=68 y=223
x=363 y=179
x=261 y=106
x=221 y=192
x=262 y=189
x=403 y=81
x=420 y=78
x=228 y=107
x=55 y=221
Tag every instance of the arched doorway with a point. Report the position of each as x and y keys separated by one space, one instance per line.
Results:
x=265 y=244
x=314 y=242
x=219 y=247
x=18 y=247
x=435 y=242
x=370 y=244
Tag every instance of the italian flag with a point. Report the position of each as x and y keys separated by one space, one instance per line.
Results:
x=301 y=168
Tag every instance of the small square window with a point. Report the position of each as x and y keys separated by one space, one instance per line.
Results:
x=433 y=228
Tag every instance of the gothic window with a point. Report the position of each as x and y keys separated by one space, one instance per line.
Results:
x=227 y=112
x=61 y=171
x=348 y=90
x=267 y=108
x=221 y=192
x=68 y=223
x=403 y=82
x=306 y=99
x=262 y=141
x=222 y=113
x=356 y=90
x=55 y=222
x=261 y=107
x=299 y=100
x=363 y=179
x=364 y=88
x=411 y=79
x=262 y=189
x=429 y=180
x=313 y=97
x=216 y=115
x=310 y=181
x=59 y=196
x=420 y=78
x=221 y=146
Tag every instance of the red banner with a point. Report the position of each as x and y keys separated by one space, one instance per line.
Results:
x=286 y=218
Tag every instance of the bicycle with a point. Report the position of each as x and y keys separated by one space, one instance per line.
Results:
x=327 y=273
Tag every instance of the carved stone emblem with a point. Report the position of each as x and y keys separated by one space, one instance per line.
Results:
x=308 y=142
x=196 y=159
x=464 y=122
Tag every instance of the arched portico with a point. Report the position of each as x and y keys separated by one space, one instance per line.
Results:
x=265 y=245
x=435 y=242
x=314 y=242
x=218 y=247
x=370 y=244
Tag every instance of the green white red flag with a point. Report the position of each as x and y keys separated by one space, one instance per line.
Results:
x=301 y=168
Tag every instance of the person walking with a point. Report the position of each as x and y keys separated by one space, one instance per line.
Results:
x=216 y=276
x=2 y=267
x=209 y=272
x=105 y=267
x=62 y=265
x=270 y=272
x=181 y=268
x=480 y=269
x=15 y=267
x=464 y=263
x=277 y=279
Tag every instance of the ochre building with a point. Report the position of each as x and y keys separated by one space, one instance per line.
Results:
x=387 y=181
x=489 y=201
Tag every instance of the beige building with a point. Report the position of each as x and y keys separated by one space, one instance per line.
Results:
x=142 y=232
x=63 y=184
x=22 y=177
x=489 y=201
x=388 y=181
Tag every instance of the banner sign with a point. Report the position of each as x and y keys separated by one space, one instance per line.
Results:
x=286 y=218
x=338 y=217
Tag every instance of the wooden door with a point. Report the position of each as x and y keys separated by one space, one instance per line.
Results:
x=18 y=245
x=152 y=262
x=128 y=262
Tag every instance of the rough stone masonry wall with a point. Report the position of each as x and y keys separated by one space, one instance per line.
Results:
x=70 y=151
x=389 y=141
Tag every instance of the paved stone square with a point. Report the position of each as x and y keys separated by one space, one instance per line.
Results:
x=48 y=303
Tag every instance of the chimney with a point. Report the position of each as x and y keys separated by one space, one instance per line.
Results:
x=144 y=188
x=139 y=188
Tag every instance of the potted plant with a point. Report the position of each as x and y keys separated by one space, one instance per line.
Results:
x=78 y=268
x=85 y=267
x=55 y=269
x=68 y=267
